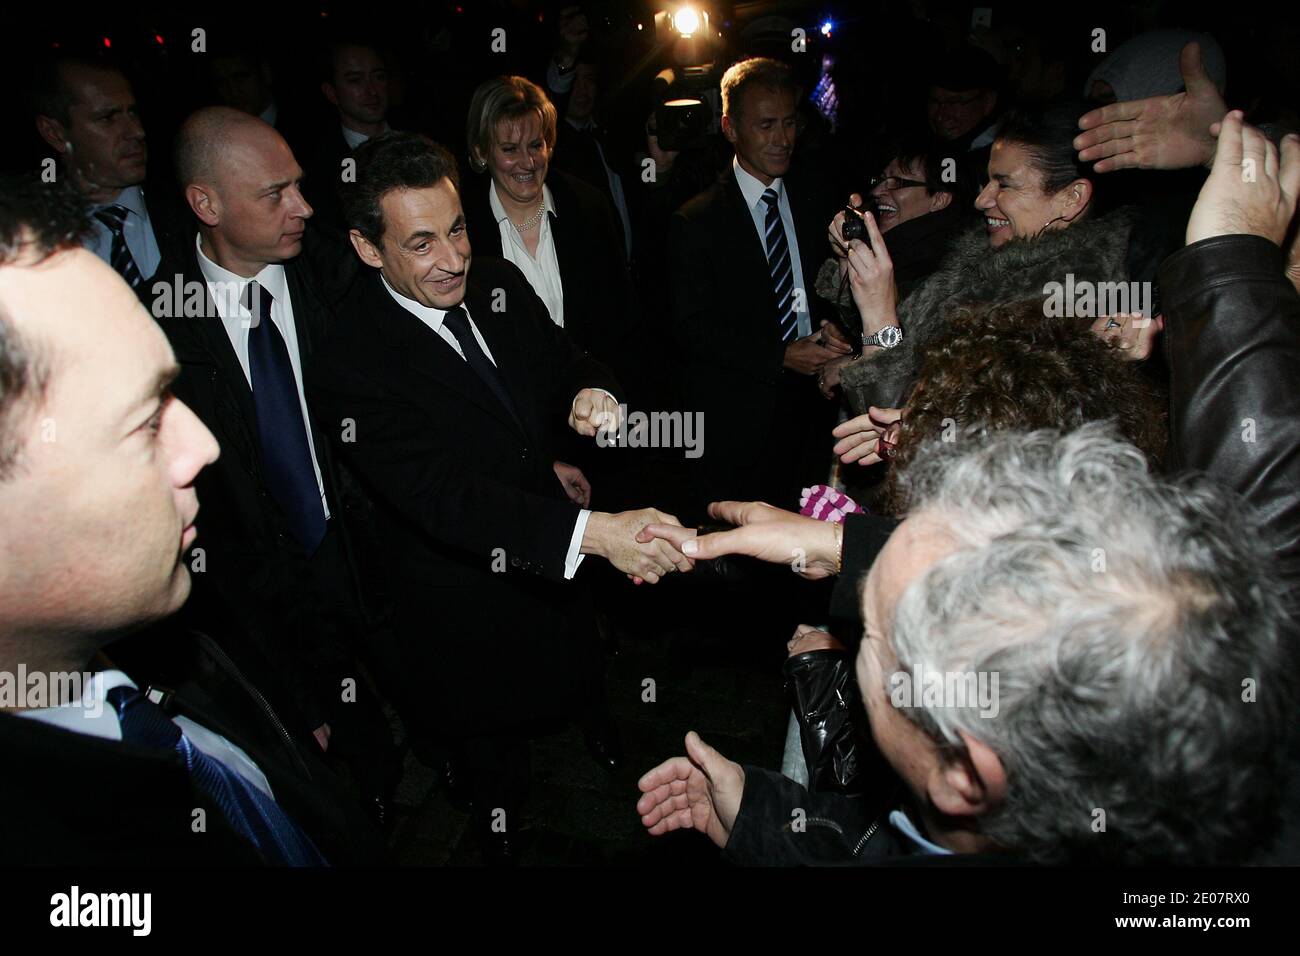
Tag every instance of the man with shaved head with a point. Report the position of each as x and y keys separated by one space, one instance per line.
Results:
x=243 y=308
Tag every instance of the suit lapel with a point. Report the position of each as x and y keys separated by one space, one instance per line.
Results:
x=428 y=355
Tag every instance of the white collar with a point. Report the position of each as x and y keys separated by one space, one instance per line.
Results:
x=901 y=822
x=230 y=287
x=752 y=188
x=132 y=198
x=499 y=211
x=91 y=713
x=355 y=138
x=427 y=314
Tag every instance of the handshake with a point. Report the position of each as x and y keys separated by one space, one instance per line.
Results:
x=648 y=544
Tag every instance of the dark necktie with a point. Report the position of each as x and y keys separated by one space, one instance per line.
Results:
x=114 y=217
x=281 y=431
x=457 y=320
x=781 y=267
x=250 y=812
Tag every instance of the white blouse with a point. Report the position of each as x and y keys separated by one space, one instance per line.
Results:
x=542 y=272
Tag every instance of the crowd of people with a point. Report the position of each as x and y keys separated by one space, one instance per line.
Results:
x=304 y=425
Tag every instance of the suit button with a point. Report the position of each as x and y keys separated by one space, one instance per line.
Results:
x=523 y=455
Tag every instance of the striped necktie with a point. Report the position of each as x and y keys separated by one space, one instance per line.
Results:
x=114 y=218
x=253 y=815
x=781 y=267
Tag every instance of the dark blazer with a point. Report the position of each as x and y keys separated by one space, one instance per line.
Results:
x=600 y=308
x=470 y=512
x=173 y=226
x=73 y=799
x=578 y=153
x=724 y=321
x=256 y=586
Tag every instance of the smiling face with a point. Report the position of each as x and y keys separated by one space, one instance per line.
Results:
x=902 y=203
x=763 y=132
x=425 y=251
x=100 y=509
x=519 y=160
x=103 y=142
x=1014 y=202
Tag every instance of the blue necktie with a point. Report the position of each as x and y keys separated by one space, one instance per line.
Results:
x=281 y=431
x=114 y=217
x=252 y=814
x=781 y=267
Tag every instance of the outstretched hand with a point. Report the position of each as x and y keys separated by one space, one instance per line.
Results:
x=1159 y=132
x=700 y=791
x=810 y=547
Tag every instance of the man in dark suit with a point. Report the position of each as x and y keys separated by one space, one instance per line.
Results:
x=279 y=587
x=743 y=255
x=445 y=393
x=86 y=112
x=97 y=512
x=354 y=81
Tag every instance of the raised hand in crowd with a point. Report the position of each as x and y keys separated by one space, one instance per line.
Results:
x=835 y=232
x=1252 y=187
x=868 y=438
x=871 y=279
x=1159 y=132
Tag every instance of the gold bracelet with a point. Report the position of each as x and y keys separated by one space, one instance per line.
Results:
x=839 y=547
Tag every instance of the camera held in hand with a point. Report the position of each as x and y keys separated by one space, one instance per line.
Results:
x=855 y=226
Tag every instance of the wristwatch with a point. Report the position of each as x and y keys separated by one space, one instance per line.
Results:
x=886 y=338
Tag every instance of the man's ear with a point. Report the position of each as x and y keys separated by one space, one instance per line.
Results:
x=1075 y=199
x=55 y=136
x=968 y=783
x=940 y=200
x=330 y=93
x=366 y=252
x=729 y=129
x=203 y=203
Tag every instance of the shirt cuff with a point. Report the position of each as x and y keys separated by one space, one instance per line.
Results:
x=573 y=558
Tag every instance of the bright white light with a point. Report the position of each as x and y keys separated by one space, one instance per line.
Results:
x=686 y=21
x=826 y=28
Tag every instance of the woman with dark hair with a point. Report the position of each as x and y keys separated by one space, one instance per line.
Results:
x=1042 y=231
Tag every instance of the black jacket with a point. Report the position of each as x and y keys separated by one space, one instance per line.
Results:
x=600 y=308
x=471 y=517
x=74 y=799
x=255 y=594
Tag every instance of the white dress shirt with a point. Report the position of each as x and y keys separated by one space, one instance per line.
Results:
x=355 y=139
x=92 y=714
x=542 y=272
x=753 y=191
x=435 y=319
x=227 y=291
x=136 y=229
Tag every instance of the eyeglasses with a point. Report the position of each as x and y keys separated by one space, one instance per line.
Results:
x=893 y=182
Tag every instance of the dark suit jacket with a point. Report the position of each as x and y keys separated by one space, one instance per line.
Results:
x=73 y=799
x=578 y=153
x=256 y=588
x=473 y=519
x=724 y=320
x=600 y=307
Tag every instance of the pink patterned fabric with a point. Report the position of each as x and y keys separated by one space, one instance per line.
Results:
x=826 y=504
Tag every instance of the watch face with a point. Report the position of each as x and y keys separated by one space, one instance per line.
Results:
x=890 y=336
